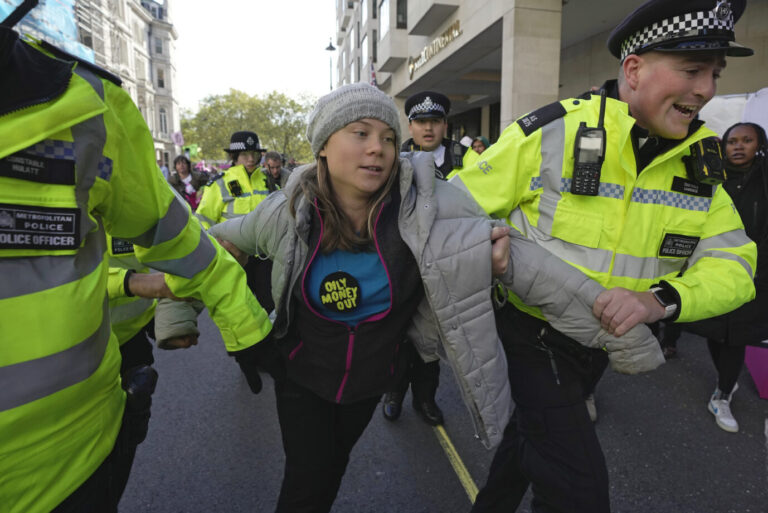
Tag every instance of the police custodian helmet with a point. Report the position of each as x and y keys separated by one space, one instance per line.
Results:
x=244 y=141
x=427 y=104
x=679 y=25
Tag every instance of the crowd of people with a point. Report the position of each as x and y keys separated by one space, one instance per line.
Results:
x=587 y=221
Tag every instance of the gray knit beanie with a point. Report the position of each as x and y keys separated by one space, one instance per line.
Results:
x=346 y=104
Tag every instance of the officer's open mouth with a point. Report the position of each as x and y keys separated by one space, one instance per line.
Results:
x=375 y=169
x=686 y=110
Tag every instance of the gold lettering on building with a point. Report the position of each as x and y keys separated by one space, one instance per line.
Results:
x=433 y=48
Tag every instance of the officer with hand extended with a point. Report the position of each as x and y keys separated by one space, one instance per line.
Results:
x=76 y=159
x=623 y=185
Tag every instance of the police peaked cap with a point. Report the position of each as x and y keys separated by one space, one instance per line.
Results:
x=427 y=104
x=244 y=141
x=679 y=25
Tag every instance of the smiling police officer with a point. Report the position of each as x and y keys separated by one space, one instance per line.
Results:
x=623 y=185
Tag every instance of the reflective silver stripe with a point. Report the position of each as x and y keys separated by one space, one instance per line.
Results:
x=671 y=199
x=228 y=215
x=225 y=195
x=28 y=381
x=205 y=219
x=723 y=255
x=645 y=268
x=128 y=311
x=594 y=259
x=167 y=227
x=188 y=266
x=30 y=275
x=551 y=170
x=92 y=80
x=732 y=239
x=709 y=248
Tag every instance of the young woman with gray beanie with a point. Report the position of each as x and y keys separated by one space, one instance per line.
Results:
x=369 y=249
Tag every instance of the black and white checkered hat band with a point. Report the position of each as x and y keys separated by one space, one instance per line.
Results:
x=237 y=146
x=427 y=105
x=701 y=23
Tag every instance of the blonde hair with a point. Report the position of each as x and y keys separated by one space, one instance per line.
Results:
x=338 y=232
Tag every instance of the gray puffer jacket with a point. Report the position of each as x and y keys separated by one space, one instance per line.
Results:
x=450 y=239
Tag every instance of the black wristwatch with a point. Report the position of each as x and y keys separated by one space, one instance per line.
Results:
x=126 y=279
x=666 y=299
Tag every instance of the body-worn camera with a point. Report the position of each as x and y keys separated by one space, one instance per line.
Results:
x=705 y=163
x=235 y=188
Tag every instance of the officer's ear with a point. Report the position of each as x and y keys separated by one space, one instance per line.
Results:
x=322 y=152
x=631 y=69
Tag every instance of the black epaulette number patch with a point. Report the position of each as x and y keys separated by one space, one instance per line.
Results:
x=540 y=117
x=213 y=179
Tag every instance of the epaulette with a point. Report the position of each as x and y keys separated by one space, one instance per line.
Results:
x=61 y=54
x=214 y=178
x=540 y=117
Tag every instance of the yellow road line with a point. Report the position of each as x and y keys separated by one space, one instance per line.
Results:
x=458 y=466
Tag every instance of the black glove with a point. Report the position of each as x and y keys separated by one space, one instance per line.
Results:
x=262 y=356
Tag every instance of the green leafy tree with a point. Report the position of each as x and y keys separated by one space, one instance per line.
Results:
x=279 y=120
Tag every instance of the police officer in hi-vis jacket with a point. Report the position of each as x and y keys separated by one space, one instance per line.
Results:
x=623 y=184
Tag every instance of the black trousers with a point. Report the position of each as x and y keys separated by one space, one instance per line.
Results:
x=550 y=442
x=318 y=436
x=728 y=360
x=101 y=492
x=423 y=377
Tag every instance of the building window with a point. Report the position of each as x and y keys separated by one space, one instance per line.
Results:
x=158 y=46
x=352 y=36
x=364 y=10
x=402 y=14
x=364 y=48
x=160 y=78
x=353 y=76
x=383 y=18
x=86 y=38
x=374 y=40
x=163 y=121
x=359 y=70
x=373 y=8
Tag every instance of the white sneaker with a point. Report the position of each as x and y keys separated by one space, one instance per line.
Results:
x=720 y=406
x=591 y=408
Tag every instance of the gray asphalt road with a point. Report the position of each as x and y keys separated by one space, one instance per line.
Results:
x=215 y=447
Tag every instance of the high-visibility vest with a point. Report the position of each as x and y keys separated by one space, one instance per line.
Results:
x=73 y=165
x=233 y=194
x=128 y=315
x=638 y=230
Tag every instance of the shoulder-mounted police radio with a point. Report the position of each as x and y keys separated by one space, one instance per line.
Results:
x=705 y=163
x=588 y=155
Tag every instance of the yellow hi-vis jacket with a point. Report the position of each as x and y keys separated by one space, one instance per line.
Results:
x=128 y=315
x=233 y=194
x=73 y=165
x=639 y=229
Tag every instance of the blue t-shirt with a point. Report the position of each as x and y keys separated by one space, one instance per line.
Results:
x=348 y=287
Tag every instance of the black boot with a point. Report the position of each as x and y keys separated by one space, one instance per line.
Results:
x=392 y=405
x=429 y=412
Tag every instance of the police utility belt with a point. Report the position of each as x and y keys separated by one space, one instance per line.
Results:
x=704 y=165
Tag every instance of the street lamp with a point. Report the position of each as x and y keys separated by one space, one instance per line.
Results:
x=330 y=48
